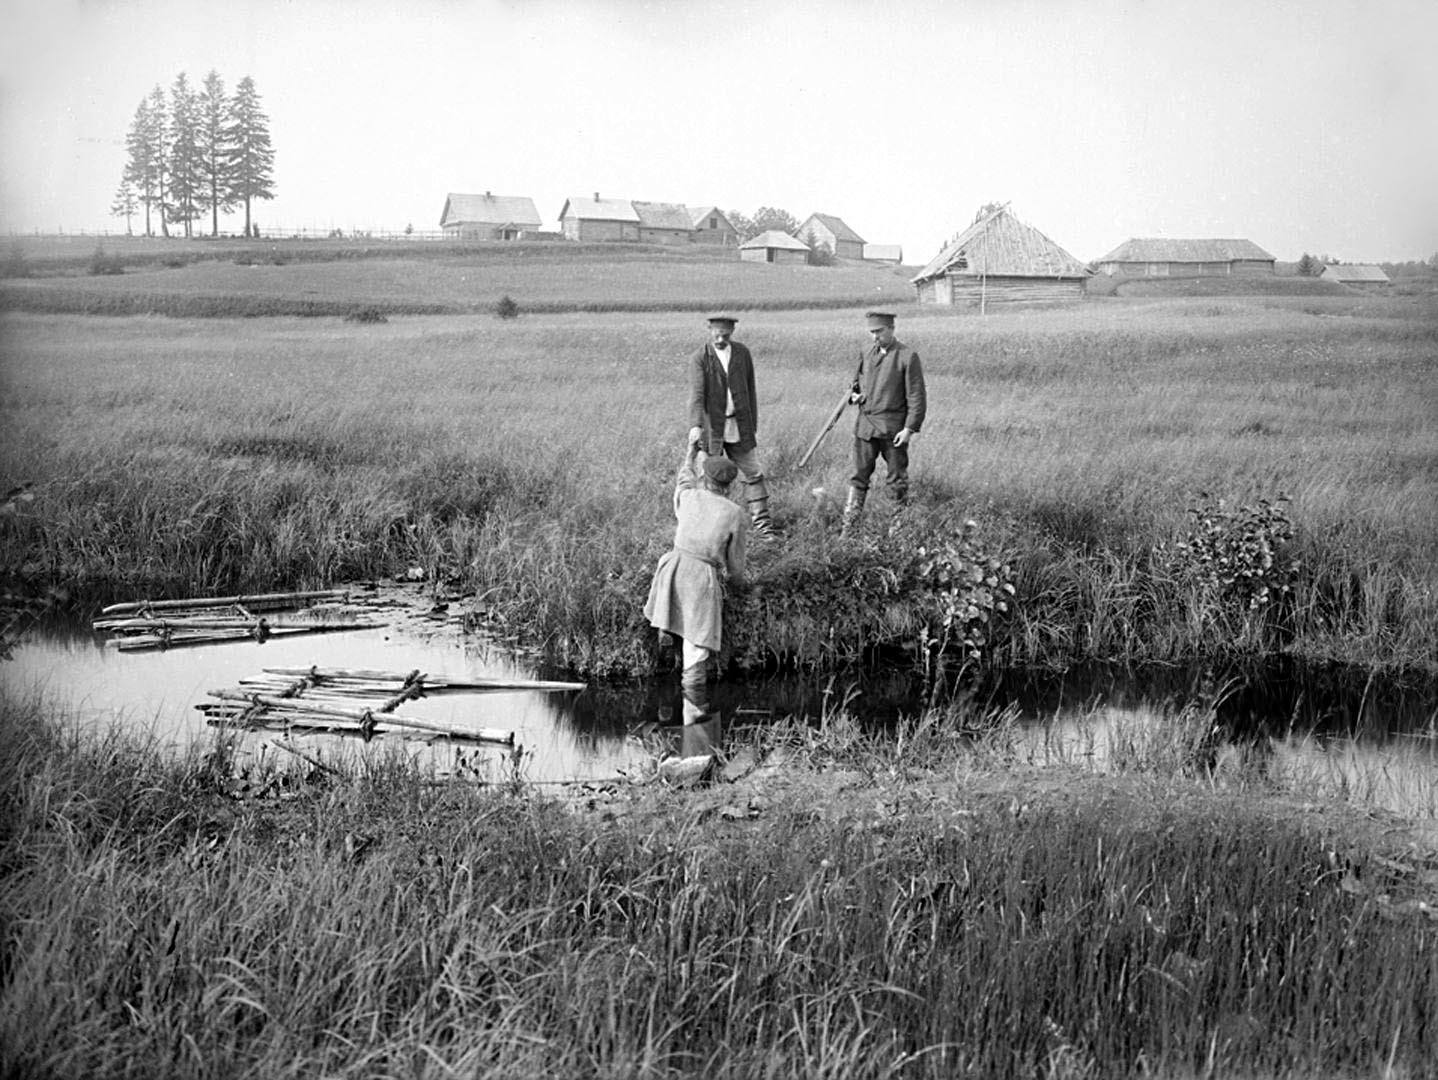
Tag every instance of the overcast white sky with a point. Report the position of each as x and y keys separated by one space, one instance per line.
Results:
x=1304 y=125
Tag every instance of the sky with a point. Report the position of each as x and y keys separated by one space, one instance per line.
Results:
x=1303 y=125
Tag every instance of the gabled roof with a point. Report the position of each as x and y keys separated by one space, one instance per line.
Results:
x=1001 y=244
x=773 y=238
x=489 y=209
x=834 y=225
x=702 y=213
x=591 y=208
x=663 y=215
x=1162 y=249
x=1354 y=272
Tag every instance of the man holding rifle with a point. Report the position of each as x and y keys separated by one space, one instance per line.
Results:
x=724 y=413
x=889 y=391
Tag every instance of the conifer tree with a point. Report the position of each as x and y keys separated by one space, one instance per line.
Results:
x=184 y=154
x=248 y=137
x=144 y=168
x=124 y=204
x=215 y=152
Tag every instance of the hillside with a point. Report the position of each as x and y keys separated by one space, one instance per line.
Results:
x=336 y=276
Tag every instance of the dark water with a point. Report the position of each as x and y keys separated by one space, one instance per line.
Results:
x=609 y=729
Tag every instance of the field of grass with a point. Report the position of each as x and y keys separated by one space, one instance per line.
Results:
x=235 y=278
x=912 y=907
x=531 y=460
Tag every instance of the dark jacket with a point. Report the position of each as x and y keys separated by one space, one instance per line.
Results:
x=893 y=389
x=709 y=391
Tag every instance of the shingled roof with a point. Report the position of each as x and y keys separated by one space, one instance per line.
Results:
x=663 y=215
x=1162 y=249
x=836 y=226
x=1002 y=245
x=487 y=209
x=593 y=208
x=774 y=238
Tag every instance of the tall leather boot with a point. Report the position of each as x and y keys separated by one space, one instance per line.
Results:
x=853 y=510
x=759 y=518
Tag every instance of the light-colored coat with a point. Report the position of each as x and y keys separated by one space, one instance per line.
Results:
x=686 y=597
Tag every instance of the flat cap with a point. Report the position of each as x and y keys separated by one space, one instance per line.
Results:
x=720 y=469
x=879 y=318
x=718 y=320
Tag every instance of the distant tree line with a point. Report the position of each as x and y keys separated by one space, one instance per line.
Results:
x=194 y=154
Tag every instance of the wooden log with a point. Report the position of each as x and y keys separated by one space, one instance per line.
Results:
x=363 y=716
x=431 y=682
x=175 y=640
x=292 y=599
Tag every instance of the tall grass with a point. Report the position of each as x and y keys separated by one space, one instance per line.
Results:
x=531 y=460
x=934 y=915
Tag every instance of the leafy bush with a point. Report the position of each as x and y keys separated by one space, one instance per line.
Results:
x=962 y=591
x=1239 y=556
x=367 y=315
x=101 y=263
x=507 y=308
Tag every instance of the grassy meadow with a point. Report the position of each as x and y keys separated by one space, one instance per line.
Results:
x=531 y=461
x=949 y=899
x=920 y=906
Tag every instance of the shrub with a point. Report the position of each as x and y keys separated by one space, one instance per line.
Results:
x=14 y=264
x=507 y=308
x=1239 y=556
x=367 y=315
x=102 y=264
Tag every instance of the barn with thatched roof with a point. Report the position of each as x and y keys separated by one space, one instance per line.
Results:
x=1357 y=275
x=664 y=223
x=1000 y=260
x=1176 y=257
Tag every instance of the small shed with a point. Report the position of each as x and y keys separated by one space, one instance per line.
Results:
x=843 y=241
x=884 y=253
x=999 y=259
x=663 y=223
x=584 y=218
x=1357 y=275
x=1161 y=257
x=775 y=247
x=712 y=226
x=488 y=216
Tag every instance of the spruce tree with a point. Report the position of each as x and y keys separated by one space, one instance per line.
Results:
x=215 y=152
x=248 y=136
x=186 y=183
x=144 y=167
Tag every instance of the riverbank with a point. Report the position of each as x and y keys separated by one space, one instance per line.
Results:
x=921 y=906
x=1112 y=456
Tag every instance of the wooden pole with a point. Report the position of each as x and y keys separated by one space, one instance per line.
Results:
x=364 y=717
x=261 y=599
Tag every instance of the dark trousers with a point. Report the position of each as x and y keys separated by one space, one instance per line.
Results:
x=896 y=462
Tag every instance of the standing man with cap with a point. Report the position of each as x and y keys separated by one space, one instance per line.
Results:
x=889 y=391
x=724 y=412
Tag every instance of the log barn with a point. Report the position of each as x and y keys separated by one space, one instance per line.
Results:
x=1162 y=257
x=583 y=218
x=663 y=223
x=775 y=247
x=488 y=216
x=1000 y=260
x=843 y=241
x=1357 y=276
x=712 y=226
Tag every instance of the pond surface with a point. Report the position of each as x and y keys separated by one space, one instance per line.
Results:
x=1346 y=732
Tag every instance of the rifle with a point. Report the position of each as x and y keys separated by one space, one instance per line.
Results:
x=828 y=427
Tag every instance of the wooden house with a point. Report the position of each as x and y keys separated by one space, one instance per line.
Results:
x=1159 y=257
x=775 y=247
x=663 y=223
x=488 y=216
x=1358 y=276
x=583 y=218
x=711 y=226
x=996 y=260
x=842 y=241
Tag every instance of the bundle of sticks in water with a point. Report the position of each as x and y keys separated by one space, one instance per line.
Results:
x=357 y=701
x=161 y=624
